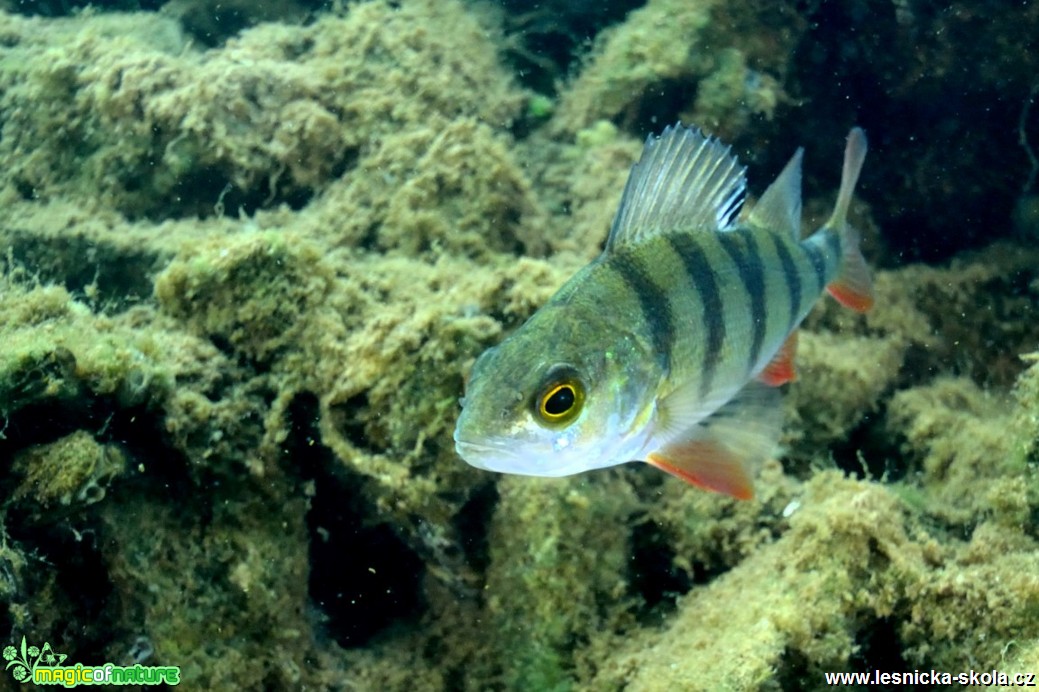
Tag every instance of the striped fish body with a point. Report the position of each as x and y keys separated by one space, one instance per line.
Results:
x=668 y=347
x=715 y=308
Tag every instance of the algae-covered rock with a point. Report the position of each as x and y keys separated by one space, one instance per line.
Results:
x=73 y=469
x=442 y=186
x=854 y=568
x=956 y=440
x=57 y=350
x=701 y=51
x=840 y=566
x=551 y=571
x=248 y=257
x=253 y=293
x=1026 y=421
x=219 y=594
x=161 y=130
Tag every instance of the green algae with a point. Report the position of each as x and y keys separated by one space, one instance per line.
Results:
x=277 y=116
x=668 y=43
x=537 y=558
x=56 y=348
x=253 y=293
x=73 y=469
x=853 y=557
x=244 y=286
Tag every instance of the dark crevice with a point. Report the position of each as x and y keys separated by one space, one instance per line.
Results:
x=544 y=39
x=349 y=419
x=64 y=8
x=68 y=573
x=471 y=524
x=213 y=22
x=117 y=277
x=206 y=192
x=794 y=672
x=363 y=577
x=67 y=564
x=649 y=111
x=26 y=190
x=884 y=461
x=654 y=577
x=878 y=647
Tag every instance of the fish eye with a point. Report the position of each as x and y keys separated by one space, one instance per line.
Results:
x=560 y=400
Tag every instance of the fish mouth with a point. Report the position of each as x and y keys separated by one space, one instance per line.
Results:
x=503 y=457
x=491 y=456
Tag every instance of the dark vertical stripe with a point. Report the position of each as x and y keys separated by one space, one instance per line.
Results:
x=748 y=264
x=793 y=281
x=654 y=304
x=818 y=262
x=833 y=243
x=701 y=273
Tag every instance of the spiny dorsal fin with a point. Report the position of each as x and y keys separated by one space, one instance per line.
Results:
x=779 y=209
x=684 y=181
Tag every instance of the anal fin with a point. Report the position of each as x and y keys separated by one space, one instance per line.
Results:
x=722 y=452
x=780 y=369
x=853 y=288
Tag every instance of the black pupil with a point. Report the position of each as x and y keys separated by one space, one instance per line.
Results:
x=561 y=401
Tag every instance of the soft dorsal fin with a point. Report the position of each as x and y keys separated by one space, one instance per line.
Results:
x=779 y=209
x=684 y=181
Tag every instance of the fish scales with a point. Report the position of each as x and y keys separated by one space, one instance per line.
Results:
x=709 y=298
x=668 y=348
x=792 y=277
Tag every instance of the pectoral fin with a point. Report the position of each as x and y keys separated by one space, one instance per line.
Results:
x=722 y=452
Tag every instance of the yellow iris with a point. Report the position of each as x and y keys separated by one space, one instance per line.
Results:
x=561 y=401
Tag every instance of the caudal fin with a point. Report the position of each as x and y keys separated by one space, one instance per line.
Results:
x=853 y=286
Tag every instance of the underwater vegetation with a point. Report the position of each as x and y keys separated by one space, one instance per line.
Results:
x=249 y=259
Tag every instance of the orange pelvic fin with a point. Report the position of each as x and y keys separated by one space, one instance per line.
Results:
x=723 y=451
x=706 y=465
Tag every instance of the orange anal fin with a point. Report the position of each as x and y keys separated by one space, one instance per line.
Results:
x=780 y=369
x=851 y=296
x=853 y=287
x=707 y=465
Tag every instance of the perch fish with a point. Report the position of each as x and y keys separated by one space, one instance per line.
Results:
x=669 y=347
